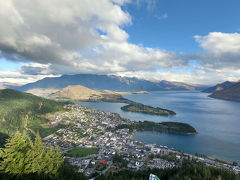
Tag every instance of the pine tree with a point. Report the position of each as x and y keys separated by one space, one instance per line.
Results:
x=53 y=159
x=45 y=160
x=15 y=155
x=22 y=156
x=38 y=153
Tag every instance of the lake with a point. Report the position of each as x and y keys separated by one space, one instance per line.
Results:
x=217 y=122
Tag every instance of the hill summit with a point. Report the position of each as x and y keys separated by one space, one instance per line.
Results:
x=77 y=92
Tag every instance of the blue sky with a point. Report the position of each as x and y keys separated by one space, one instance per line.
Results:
x=7 y=65
x=176 y=40
x=186 y=18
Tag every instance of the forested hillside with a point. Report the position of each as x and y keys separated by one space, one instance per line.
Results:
x=19 y=111
x=188 y=171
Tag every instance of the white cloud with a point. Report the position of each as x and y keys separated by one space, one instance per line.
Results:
x=162 y=17
x=36 y=69
x=220 y=43
x=198 y=76
x=87 y=36
x=59 y=33
x=56 y=31
x=121 y=2
x=221 y=49
x=18 y=78
x=195 y=75
x=149 y=4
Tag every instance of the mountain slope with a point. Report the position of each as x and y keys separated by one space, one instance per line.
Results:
x=19 y=111
x=78 y=92
x=42 y=92
x=75 y=92
x=232 y=93
x=82 y=93
x=219 y=87
x=171 y=85
x=101 y=82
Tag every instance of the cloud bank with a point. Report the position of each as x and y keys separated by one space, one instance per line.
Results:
x=87 y=36
x=222 y=50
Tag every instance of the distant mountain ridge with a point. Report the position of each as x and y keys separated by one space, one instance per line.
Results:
x=219 y=87
x=231 y=93
x=109 y=82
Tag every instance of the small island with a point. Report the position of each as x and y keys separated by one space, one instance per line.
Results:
x=169 y=127
x=141 y=108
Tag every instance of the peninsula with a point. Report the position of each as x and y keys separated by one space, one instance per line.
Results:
x=141 y=108
x=169 y=127
x=82 y=93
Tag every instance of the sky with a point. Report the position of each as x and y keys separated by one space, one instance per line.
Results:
x=185 y=40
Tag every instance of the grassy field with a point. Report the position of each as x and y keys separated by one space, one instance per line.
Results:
x=80 y=152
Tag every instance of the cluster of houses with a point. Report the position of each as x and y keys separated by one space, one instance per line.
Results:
x=87 y=128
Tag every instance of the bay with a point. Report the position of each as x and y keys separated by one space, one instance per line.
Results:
x=217 y=122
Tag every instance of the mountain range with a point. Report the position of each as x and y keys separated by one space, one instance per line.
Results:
x=231 y=93
x=109 y=82
x=219 y=87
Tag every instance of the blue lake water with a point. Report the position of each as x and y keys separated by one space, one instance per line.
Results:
x=217 y=122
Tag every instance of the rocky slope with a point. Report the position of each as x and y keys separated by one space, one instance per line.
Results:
x=231 y=93
x=219 y=87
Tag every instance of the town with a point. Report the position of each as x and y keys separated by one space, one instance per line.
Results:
x=92 y=141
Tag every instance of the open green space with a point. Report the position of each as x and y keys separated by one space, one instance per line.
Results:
x=80 y=152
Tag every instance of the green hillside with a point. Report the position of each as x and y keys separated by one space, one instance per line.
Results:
x=21 y=111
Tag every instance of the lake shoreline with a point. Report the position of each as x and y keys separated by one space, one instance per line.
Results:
x=216 y=121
